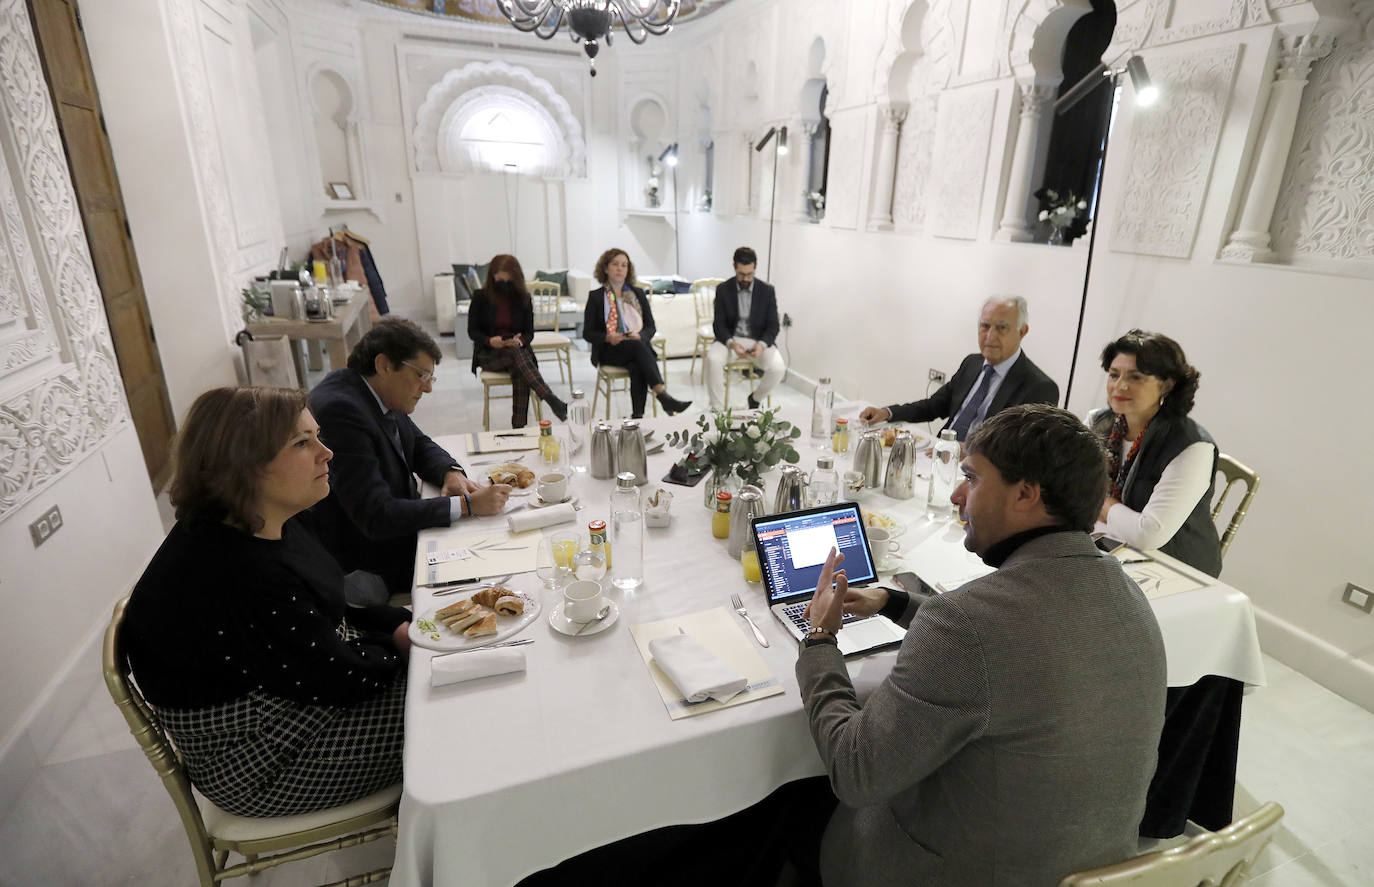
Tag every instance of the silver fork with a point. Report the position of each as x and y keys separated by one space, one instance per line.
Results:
x=739 y=608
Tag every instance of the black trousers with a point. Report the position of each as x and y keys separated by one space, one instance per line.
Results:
x=1196 y=774
x=637 y=356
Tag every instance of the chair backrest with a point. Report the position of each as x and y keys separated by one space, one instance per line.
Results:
x=704 y=297
x=1233 y=472
x=1213 y=859
x=545 y=310
x=544 y=287
x=162 y=755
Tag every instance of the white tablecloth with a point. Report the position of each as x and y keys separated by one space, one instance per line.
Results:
x=512 y=774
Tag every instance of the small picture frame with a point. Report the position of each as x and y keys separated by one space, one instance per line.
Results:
x=340 y=191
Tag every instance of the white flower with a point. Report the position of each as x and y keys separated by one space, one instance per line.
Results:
x=1044 y=214
x=752 y=431
x=1082 y=204
x=761 y=448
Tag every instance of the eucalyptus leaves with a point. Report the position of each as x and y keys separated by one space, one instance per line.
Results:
x=748 y=447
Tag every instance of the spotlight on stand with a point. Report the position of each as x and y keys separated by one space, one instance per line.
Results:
x=1146 y=93
x=669 y=155
x=781 y=133
x=768 y=137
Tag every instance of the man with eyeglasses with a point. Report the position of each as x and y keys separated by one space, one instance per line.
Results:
x=373 y=512
x=1000 y=375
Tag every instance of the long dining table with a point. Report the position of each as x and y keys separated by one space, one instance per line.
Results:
x=509 y=775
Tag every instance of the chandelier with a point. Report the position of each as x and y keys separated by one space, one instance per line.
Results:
x=590 y=21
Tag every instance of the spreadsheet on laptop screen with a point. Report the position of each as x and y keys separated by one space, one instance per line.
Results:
x=793 y=548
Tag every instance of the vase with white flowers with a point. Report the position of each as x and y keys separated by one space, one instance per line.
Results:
x=816 y=200
x=737 y=450
x=1062 y=213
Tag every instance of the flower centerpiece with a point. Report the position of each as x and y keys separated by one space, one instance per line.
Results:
x=733 y=448
x=651 y=188
x=1061 y=212
x=816 y=200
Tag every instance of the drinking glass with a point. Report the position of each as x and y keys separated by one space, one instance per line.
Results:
x=589 y=564
x=749 y=560
x=554 y=562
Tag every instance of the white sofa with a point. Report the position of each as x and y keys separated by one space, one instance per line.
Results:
x=446 y=300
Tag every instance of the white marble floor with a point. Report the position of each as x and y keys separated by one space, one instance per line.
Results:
x=95 y=813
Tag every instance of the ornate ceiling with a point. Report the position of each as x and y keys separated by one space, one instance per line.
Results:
x=486 y=10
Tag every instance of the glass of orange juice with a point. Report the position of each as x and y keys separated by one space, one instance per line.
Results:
x=749 y=559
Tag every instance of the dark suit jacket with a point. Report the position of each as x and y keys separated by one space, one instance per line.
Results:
x=763 y=312
x=1013 y=741
x=1025 y=383
x=594 y=320
x=373 y=511
x=482 y=322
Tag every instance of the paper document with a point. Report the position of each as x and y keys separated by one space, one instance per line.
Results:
x=944 y=563
x=722 y=632
x=453 y=555
x=502 y=441
x=1154 y=578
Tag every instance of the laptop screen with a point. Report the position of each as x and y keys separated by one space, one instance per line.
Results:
x=793 y=548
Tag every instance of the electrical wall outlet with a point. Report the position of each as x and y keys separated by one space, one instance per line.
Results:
x=1359 y=598
x=786 y=319
x=937 y=377
x=42 y=529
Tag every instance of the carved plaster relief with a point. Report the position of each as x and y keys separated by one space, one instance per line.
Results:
x=960 y=162
x=914 y=151
x=1326 y=204
x=1171 y=151
x=52 y=418
x=846 y=166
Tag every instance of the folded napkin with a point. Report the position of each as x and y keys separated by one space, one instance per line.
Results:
x=538 y=518
x=697 y=673
x=452 y=668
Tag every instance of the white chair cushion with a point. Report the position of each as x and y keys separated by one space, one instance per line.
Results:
x=492 y=377
x=228 y=827
x=706 y=331
x=548 y=339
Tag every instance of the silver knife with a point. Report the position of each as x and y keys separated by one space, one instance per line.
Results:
x=520 y=643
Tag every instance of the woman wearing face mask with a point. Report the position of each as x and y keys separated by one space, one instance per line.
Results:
x=1161 y=464
x=501 y=325
x=620 y=325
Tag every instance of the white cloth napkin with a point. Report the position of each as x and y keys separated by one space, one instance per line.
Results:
x=453 y=668
x=697 y=673
x=538 y=518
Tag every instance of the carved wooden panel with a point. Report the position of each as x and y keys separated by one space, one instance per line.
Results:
x=1172 y=146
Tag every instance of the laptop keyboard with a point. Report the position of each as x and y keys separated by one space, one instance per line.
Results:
x=795 y=611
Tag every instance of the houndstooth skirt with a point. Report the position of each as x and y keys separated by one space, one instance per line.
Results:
x=262 y=755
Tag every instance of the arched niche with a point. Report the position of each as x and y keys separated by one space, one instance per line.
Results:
x=1038 y=31
x=532 y=105
x=494 y=128
x=651 y=125
x=815 y=132
x=338 y=140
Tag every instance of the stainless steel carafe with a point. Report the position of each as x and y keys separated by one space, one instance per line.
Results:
x=900 y=480
x=791 y=490
x=868 y=458
x=747 y=505
x=630 y=455
x=603 y=451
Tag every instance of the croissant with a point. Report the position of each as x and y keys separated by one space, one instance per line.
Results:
x=488 y=597
x=510 y=605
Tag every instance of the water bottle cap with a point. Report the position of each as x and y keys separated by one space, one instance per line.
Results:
x=577 y=394
x=825 y=380
x=825 y=462
x=948 y=434
x=630 y=424
x=625 y=480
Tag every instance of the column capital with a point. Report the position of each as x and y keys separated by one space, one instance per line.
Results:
x=1036 y=97
x=1297 y=52
x=893 y=115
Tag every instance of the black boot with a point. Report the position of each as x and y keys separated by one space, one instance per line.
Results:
x=672 y=404
x=560 y=409
x=753 y=404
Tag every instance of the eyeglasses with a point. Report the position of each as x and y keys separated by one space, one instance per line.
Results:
x=425 y=375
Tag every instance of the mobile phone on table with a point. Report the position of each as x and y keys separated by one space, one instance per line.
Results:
x=1108 y=544
x=913 y=584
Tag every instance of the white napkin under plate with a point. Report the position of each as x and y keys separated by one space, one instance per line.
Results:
x=453 y=668
x=697 y=673
x=538 y=518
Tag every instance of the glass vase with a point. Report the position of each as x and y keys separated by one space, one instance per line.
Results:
x=720 y=479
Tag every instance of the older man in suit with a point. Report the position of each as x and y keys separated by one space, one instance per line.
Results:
x=1015 y=738
x=373 y=512
x=997 y=377
x=746 y=328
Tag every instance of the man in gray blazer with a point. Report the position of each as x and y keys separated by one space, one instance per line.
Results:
x=1015 y=739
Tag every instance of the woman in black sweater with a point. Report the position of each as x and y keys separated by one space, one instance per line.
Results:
x=281 y=699
x=501 y=326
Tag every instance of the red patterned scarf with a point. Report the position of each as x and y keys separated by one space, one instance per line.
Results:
x=1118 y=468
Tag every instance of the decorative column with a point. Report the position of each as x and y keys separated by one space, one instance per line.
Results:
x=1250 y=241
x=880 y=217
x=807 y=142
x=1036 y=101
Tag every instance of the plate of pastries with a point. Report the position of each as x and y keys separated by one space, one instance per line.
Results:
x=485 y=616
x=513 y=474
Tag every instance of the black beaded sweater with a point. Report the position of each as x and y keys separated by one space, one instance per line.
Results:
x=220 y=613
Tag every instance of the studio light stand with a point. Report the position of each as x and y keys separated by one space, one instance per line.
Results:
x=781 y=133
x=669 y=156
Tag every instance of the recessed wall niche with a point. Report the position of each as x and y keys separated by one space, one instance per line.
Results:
x=338 y=141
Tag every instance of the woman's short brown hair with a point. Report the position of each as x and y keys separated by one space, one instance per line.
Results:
x=600 y=272
x=229 y=436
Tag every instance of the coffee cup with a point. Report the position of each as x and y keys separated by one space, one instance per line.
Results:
x=553 y=487
x=886 y=550
x=581 y=600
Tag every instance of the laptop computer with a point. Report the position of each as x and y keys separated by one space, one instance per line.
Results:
x=792 y=550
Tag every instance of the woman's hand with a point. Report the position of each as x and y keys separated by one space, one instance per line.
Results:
x=826 y=609
x=614 y=338
x=496 y=342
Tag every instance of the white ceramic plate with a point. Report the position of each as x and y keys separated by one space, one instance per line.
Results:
x=537 y=502
x=885 y=521
x=563 y=625
x=449 y=641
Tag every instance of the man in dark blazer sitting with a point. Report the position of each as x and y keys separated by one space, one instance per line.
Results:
x=999 y=376
x=373 y=512
x=746 y=328
x=1014 y=740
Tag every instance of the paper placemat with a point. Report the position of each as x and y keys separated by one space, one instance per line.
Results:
x=479 y=442
x=721 y=632
x=1154 y=578
x=945 y=566
x=495 y=553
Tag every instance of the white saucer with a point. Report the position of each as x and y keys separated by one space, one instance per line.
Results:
x=536 y=502
x=563 y=625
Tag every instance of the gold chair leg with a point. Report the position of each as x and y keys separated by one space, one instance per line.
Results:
x=486 y=407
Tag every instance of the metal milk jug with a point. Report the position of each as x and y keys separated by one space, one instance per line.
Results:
x=603 y=451
x=747 y=505
x=868 y=458
x=900 y=480
x=630 y=455
x=791 y=490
